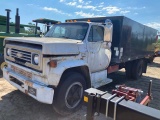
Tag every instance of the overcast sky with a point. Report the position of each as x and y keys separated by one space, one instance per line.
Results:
x=144 y=11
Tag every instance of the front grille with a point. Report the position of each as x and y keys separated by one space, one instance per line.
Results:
x=21 y=55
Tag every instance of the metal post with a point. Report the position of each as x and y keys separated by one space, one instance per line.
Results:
x=115 y=107
x=148 y=98
x=17 y=21
x=107 y=103
x=8 y=19
x=36 y=28
x=48 y=27
x=150 y=88
x=90 y=107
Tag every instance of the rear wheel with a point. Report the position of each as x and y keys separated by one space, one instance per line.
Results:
x=151 y=59
x=137 y=69
x=68 y=97
x=128 y=68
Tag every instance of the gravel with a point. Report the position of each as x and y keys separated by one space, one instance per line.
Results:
x=15 y=105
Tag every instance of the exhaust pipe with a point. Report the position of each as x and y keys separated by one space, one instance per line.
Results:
x=8 y=20
x=17 y=21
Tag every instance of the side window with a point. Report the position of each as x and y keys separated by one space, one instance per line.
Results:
x=57 y=29
x=96 y=34
x=62 y=31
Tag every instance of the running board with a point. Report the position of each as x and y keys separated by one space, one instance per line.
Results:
x=99 y=79
x=101 y=83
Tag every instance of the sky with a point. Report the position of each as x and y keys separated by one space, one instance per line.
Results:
x=144 y=11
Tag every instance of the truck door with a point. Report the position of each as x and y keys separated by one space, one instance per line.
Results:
x=98 y=51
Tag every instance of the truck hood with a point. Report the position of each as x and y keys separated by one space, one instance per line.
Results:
x=51 y=46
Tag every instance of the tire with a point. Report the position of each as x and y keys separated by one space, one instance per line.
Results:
x=128 y=68
x=68 y=97
x=151 y=59
x=137 y=69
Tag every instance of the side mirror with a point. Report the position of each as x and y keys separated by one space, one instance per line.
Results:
x=108 y=30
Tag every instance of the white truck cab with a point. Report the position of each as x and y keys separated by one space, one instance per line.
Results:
x=57 y=68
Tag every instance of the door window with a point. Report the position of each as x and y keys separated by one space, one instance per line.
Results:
x=96 y=34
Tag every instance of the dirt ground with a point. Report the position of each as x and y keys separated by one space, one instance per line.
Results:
x=15 y=105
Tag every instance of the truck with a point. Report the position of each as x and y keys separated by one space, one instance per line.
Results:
x=76 y=55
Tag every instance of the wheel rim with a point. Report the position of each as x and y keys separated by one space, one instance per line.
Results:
x=74 y=95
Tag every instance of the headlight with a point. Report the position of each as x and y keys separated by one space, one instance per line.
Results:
x=36 y=59
x=8 y=51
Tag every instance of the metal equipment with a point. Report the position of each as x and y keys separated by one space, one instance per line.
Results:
x=123 y=104
x=47 y=22
x=17 y=20
x=8 y=19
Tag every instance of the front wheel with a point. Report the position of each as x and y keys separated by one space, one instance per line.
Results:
x=68 y=97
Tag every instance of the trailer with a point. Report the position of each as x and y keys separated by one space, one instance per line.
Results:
x=123 y=103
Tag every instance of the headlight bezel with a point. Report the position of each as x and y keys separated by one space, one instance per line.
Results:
x=36 y=59
x=8 y=51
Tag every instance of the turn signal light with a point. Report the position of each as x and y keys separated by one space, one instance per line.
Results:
x=53 y=63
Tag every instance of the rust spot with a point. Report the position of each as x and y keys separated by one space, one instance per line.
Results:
x=26 y=92
x=29 y=83
x=22 y=72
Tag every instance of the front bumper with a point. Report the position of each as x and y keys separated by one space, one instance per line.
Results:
x=43 y=93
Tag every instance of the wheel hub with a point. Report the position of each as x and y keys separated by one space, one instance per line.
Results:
x=74 y=95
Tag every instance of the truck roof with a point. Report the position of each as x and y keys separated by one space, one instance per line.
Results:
x=45 y=21
x=102 y=19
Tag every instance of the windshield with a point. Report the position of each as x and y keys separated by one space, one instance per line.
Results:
x=69 y=31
